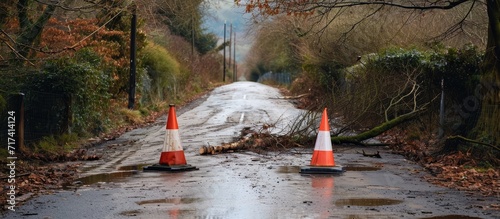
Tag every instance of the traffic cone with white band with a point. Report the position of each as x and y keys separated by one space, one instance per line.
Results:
x=323 y=160
x=172 y=156
x=172 y=153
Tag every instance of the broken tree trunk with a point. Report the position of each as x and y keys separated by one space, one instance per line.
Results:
x=257 y=140
x=374 y=132
x=225 y=148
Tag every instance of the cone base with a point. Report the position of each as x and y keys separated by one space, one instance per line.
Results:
x=322 y=170
x=167 y=168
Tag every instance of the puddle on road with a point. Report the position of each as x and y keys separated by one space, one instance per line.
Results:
x=174 y=213
x=348 y=167
x=359 y=167
x=288 y=169
x=137 y=167
x=367 y=202
x=169 y=201
x=131 y=213
x=105 y=177
x=452 y=217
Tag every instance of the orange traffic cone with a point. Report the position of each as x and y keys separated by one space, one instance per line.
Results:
x=172 y=153
x=323 y=160
x=172 y=156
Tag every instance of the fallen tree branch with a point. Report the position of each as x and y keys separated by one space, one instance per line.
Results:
x=225 y=148
x=357 y=139
x=255 y=140
x=459 y=137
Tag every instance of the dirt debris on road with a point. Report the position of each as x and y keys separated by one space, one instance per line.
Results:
x=34 y=179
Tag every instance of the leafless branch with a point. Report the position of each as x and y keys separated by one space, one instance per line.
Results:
x=452 y=31
x=13 y=49
x=400 y=96
x=405 y=4
x=92 y=5
x=345 y=34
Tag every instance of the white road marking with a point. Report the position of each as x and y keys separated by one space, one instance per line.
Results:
x=242 y=114
x=241 y=117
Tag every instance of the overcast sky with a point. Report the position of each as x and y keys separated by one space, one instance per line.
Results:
x=226 y=10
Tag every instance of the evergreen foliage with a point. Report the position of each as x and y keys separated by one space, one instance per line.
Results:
x=84 y=83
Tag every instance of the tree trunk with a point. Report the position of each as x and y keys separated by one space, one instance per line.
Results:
x=239 y=145
x=30 y=30
x=489 y=120
x=357 y=139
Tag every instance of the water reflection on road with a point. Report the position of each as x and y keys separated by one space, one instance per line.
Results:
x=245 y=184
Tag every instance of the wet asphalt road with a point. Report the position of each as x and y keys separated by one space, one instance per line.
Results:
x=246 y=185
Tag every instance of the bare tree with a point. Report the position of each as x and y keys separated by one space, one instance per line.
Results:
x=488 y=123
x=32 y=17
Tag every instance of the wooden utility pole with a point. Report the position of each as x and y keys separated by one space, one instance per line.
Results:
x=133 y=30
x=192 y=45
x=235 y=75
x=230 y=43
x=224 y=45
